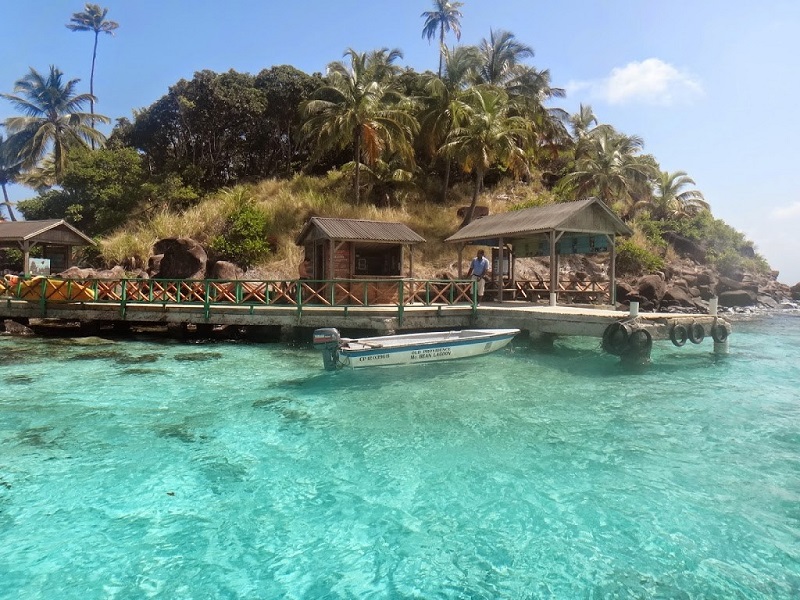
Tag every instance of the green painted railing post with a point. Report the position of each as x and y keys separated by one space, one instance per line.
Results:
x=123 y=298
x=299 y=287
x=43 y=298
x=401 y=302
x=207 y=299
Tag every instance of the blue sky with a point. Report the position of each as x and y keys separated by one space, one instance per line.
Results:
x=711 y=85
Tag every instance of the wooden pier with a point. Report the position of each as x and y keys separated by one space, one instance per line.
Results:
x=418 y=305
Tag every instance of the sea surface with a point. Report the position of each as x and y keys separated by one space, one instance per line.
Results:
x=158 y=469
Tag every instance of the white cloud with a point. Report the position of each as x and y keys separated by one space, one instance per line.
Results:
x=786 y=212
x=651 y=81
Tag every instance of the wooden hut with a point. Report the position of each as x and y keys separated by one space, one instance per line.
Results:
x=357 y=249
x=56 y=237
x=581 y=227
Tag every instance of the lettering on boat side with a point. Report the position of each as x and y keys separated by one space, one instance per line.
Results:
x=373 y=357
x=430 y=353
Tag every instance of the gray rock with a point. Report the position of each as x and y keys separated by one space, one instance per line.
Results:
x=183 y=258
x=737 y=298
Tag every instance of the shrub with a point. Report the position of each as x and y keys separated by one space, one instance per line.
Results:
x=633 y=259
x=244 y=237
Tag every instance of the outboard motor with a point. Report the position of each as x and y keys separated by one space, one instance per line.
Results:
x=328 y=341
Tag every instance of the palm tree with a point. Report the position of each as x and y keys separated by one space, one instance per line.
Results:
x=10 y=169
x=52 y=118
x=446 y=17
x=442 y=106
x=501 y=58
x=488 y=135
x=669 y=201
x=92 y=19
x=362 y=108
x=611 y=169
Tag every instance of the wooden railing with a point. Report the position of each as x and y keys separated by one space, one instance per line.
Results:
x=568 y=291
x=295 y=293
x=210 y=293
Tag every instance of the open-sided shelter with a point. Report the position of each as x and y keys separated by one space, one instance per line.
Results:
x=581 y=227
x=56 y=237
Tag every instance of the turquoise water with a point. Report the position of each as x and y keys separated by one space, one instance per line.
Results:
x=137 y=469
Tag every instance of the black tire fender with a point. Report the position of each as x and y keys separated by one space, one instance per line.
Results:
x=640 y=339
x=720 y=332
x=697 y=333
x=615 y=338
x=678 y=334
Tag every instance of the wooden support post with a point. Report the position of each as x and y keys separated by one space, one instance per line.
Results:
x=612 y=269
x=499 y=281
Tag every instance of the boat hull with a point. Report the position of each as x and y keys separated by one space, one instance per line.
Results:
x=416 y=349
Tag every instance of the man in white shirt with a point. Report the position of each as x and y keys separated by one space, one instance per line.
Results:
x=478 y=271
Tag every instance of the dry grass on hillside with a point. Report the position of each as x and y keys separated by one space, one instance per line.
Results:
x=288 y=204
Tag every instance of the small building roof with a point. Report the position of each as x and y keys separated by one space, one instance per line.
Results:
x=586 y=216
x=358 y=230
x=51 y=231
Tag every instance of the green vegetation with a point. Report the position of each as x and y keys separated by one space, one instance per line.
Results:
x=243 y=239
x=634 y=259
x=240 y=161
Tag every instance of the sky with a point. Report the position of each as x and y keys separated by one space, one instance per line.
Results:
x=711 y=86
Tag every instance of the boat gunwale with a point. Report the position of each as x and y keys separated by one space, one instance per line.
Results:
x=438 y=342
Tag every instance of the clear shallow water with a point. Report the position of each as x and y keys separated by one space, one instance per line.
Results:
x=156 y=469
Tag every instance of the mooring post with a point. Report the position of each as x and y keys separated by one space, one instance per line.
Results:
x=634 y=308
x=553 y=300
x=713 y=310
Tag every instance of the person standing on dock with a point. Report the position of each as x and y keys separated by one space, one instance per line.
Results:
x=478 y=270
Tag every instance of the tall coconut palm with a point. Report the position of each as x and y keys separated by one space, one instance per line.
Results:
x=442 y=107
x=611 y=169
x=501 y=58
x=487 y=136
x=357 y=111
x=668 y=199
x=92 y=19
x=10 y=169
x=444 y=18
x=52 y=118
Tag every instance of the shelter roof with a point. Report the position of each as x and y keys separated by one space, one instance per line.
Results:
x=588 y=216
x=358 y=230
x=53 y=231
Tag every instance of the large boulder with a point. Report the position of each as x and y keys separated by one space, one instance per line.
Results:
x=226 y=271
x=677 y=295
x=183 y=258
x=77 y=273
x=685 y=247
x=652 y=287
x=734 y=298
x=795 y=291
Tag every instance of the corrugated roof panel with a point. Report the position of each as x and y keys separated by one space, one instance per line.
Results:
x=19 y=230
x=363 y=230
x=16 y=231
x=530 y=221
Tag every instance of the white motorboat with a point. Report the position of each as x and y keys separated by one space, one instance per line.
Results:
x=411 y=348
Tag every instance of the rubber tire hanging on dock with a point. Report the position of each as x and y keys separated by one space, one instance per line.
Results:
x=697 y=333
x=615 y=338
x=678 y=334
x=720 y=332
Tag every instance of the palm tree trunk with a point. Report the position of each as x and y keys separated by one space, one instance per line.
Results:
x=441 y=49
x=91 y=82
x=446 y=180
x=475 y=193
x=357 y=154
x=8 y=203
